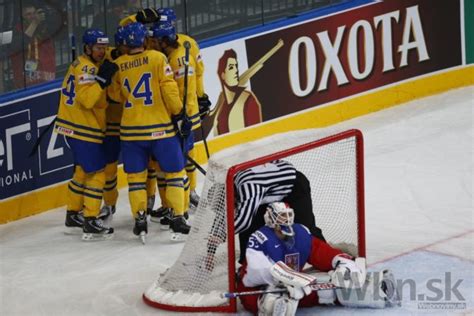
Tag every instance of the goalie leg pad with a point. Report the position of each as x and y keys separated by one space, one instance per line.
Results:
x=348 y=273
x=276 y=305
x=371 y=294
x=327 y=297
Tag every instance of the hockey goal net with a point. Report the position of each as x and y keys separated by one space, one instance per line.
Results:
x=333 y=163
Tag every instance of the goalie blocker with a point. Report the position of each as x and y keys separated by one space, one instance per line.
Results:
x=291 y=246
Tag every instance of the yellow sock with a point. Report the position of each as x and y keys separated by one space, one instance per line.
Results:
x=175 y=191
x=93 y=191
x=151 y=179
x=137 y=191
x=162 y=188
x=75 y=197
x=110 y=188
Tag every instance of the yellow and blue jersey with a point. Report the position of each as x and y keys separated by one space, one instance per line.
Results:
x=114 y=109
x=176 y=59
x=145 y=86
x=82 y=103
x=195 y=52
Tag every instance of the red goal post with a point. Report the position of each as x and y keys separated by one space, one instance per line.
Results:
x=333 y=162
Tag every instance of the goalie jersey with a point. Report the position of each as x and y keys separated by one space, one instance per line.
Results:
x=265 y=249
x=82 y=103
x=145 y=86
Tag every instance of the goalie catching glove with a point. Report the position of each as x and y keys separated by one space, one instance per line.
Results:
x=105 y=73
x=348 y=273
x=298 y=284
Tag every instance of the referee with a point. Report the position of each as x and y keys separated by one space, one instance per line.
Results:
x=275 y=181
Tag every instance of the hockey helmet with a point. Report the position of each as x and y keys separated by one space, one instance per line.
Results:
x=167 y=15
x=94 y=36
x=134 y=34
x=280 y=215
x=120 y=36
x=163 y=30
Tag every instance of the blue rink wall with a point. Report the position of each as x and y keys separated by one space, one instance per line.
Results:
x=30 y=185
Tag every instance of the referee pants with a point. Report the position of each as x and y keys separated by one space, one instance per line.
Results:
x=299 y=200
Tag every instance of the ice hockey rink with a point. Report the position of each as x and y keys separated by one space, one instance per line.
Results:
x=419 y=223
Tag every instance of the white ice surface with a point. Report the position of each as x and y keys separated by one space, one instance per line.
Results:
x=419 y=222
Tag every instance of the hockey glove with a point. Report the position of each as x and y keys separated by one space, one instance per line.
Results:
x=115 y=53
x=148 y=15
x=204 y=105
x=183 y=125
x=348 y=273
x=105 y=73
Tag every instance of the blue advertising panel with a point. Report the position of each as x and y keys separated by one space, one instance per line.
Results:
x=21 y=123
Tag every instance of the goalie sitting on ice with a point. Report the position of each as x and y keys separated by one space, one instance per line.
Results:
x=278 y=251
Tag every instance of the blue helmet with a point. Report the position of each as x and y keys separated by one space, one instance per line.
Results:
x=120 y=36
x=164 y=30
x=167 y=15
x=134 y=34
x=94 y=36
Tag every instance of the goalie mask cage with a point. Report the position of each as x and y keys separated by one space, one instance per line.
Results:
x=333 y=163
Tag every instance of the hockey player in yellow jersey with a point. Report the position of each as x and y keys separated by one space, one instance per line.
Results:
x=145 y=85
x=165 y=39
x=112 y=137
x=81 y=119
x=168 y=15
x=150 y=15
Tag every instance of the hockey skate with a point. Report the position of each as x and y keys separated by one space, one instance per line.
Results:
x=141 y=226
x=74 y=222
x=106 y=213
x=193 y=201
x=179 y=228
x=156 y=215
x=161 y=216
x=94 y=229
x=389 y=287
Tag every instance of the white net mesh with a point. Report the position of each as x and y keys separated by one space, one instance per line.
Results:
x=201 y=272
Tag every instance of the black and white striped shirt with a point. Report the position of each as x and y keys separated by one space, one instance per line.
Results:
x=263 y=184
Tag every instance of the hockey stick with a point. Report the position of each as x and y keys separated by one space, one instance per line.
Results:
x=187 y=47
x=198 y=167
x=314 y=287
x=43 y=133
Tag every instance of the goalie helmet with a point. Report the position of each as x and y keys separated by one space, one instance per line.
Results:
x=94 y=36
x=163 y=30
x=134 y=34
x=280 y=215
